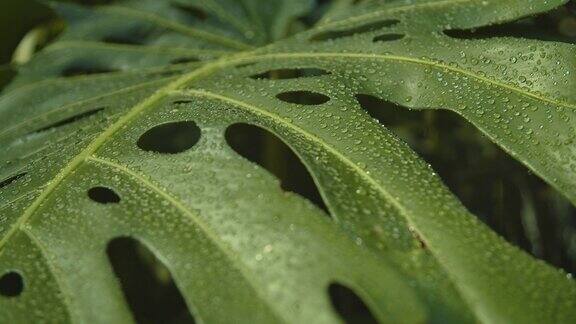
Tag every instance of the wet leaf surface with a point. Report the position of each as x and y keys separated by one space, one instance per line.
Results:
x=155 y=165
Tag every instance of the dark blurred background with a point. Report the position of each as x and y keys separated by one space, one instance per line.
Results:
x=17 y=17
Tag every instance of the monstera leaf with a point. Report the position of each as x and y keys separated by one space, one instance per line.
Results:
x=124 y=130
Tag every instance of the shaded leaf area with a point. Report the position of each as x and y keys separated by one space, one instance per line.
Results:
x=147 y=284
x=349 y=305
x=6 y=75
x=166 y=122
x=267 y=150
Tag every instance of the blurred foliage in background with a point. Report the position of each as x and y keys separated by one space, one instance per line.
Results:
x=515 y=203
x=17 y=18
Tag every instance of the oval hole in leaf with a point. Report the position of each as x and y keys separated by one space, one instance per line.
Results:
x=191 y=11
x=542 y=27
x=282 y=74
x=134 y=35
x=493 y=186
x=69 y=120
x=267 y=150
x=183 y=60
x=85 y=69
x=388 y=37
x=181 y=102
x=170 y=138
x=103 y=195
x=349 y=305
x=331 y=35
x=303 y=97
x=11 y=284
x=148 y=286
x=124 y=40
x=244 y=65
x=6 y=182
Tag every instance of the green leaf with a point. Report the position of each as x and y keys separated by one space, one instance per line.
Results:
x=86 y=159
